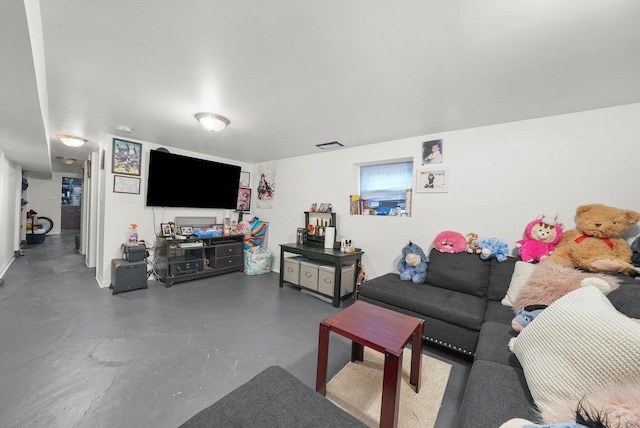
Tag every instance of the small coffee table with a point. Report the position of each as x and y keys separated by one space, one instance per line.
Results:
x=385 y=331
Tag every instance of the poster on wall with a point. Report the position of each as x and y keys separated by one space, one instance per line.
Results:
x=432 y=152
x=266 y=185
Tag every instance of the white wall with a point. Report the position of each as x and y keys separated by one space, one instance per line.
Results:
x=117 y=210
x=501 y=177
x=10 y=190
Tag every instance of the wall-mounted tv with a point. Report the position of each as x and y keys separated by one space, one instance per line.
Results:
x=182 y=181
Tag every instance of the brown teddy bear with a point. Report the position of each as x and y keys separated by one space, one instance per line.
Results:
x=596 y=244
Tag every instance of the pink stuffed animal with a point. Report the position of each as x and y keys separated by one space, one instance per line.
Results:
x=542 y=234
x=450 y=242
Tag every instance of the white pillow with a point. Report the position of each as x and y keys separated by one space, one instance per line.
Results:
x=577 y=345
x=521 y=274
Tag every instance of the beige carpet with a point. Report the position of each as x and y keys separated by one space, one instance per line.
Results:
x=357 y=388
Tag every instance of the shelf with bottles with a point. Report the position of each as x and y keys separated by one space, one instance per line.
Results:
x=316 y=224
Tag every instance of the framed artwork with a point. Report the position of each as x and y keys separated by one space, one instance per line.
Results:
x=165 y=229
x=186 y=230
x=101 y=159
x=244 y=200
x=431 y=152
x=126 y=157
x=245 y=179
x=126 y=184
x=432 y=180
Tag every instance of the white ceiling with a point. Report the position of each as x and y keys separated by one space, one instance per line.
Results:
x=293 y=74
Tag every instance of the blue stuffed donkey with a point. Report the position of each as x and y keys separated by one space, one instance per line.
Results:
x=493 y=247
x=413 y=264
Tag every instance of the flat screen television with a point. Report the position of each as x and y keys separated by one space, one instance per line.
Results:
x=182 y=181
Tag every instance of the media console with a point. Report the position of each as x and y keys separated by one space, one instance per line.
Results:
x=181 y=260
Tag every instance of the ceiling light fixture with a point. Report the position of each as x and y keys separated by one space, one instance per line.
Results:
x=330 y=145
x=212 y=122
x=71 y=141
x=66 y=161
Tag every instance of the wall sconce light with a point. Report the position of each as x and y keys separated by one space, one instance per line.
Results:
x=66 y=161
x=212 y=122
x=71 y=141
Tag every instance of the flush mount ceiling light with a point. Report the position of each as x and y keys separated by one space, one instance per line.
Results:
x=212 y=122
x=71 y=141
x=66 y=161
x=330 y=145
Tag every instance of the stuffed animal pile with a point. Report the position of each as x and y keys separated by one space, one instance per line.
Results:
x=413 y=264
x=541 y=236
x=596 y=244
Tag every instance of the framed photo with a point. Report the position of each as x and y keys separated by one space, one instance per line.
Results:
x=431 y=152
x=432 y=180
x=165 y=229
x=244 y=200
x=126 y=157
x=186 y=230
x=245 y=179
x=126 y=184
x=101 y=159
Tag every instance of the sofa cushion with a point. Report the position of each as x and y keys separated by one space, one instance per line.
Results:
x=521 y=273
x=493 y=344
x=451 y=306
x=495 y=393
x=273 y=398
x=500 y=274
x=462 y=272
x=626 y=298
x=497 y=312
x=578 y=343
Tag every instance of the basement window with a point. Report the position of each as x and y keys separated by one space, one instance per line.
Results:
x=385 y=189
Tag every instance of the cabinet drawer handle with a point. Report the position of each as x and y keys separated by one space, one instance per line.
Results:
x=230 y=250
x=290 y=270
x=327 y=281
x=307 y=274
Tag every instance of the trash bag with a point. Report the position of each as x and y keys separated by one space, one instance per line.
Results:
x=257 y=261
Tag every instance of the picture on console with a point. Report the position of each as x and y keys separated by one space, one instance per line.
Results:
x=165 y=229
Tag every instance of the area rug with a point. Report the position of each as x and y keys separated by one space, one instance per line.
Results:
x=357 y=388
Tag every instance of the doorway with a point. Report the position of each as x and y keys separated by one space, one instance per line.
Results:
x=71 y=203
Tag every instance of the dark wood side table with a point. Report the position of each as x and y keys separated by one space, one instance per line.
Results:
x=385 y=331
x=330 y=255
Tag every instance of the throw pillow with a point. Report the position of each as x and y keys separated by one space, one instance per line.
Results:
x=521 y=274
x=550 y=281
x=579 y=345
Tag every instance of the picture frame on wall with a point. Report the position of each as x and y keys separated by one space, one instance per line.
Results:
x=165 y=229
x=123 y=184
x=126 y=157
x=244 y=200
x=432 y=180
x=245 y=179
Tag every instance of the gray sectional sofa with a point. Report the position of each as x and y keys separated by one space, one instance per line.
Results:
x=460 y=302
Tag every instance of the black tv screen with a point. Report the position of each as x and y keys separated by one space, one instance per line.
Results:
x=182 y=181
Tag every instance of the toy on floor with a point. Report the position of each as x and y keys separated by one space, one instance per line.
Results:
x=541 y=237
x=596 y=244
x=449 y=241
x=413 y=264
x=493 y=247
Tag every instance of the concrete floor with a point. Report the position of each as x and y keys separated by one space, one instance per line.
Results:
x=74 y=355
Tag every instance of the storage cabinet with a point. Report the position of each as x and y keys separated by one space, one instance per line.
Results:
x=193 y=258
x=327 y=272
